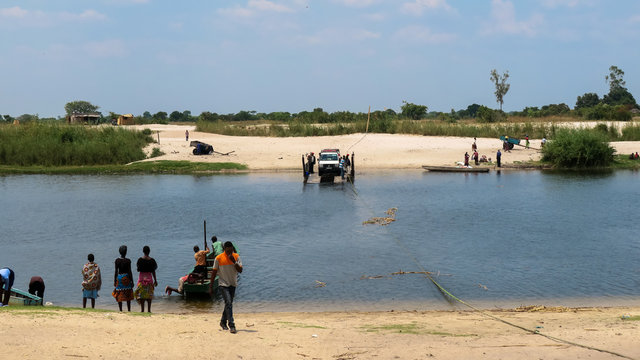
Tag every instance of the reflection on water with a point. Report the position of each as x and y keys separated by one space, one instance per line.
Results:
x=495 y=240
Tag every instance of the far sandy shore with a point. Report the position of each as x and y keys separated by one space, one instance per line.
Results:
x=69 y=334
x=372 y=151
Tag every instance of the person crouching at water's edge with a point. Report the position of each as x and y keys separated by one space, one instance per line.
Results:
x=227 y=266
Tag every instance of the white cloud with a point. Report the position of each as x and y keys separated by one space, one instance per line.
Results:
x=13 y=12
x=43 y=19
x=375 y=16
x=557 y=3
x=106 y=48
x=422 y=34
x=255 y=7
x=357 y=3
x=417 y=7
x=87 y=15
x=503 y=21
x=339 y=35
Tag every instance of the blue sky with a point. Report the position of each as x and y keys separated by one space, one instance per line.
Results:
x=131 y=56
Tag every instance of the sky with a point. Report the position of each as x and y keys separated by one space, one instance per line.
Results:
x=223 y=56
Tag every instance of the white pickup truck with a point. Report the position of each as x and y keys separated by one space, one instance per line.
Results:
x=329 y=162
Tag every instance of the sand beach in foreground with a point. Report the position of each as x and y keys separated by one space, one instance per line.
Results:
x=74 y=333
x=372 y=151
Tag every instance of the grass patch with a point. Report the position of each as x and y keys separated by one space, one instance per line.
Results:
x=55 y=144
x=300 y=325
x=632 y=318
x=145 y=167
x=411 y=328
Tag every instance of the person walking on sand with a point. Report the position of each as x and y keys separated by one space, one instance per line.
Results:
x=123 y=279
x=91 y=282
x=227 y=266
x=7 y=277
x=466 y=159
x=474 y=147
x=498 y=156
x=186 y=135
x=147 y=280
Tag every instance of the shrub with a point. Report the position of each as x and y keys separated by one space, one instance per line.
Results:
x=156 y=152
x=578 y=148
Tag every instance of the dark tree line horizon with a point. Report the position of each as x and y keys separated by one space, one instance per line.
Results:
x=617 y=104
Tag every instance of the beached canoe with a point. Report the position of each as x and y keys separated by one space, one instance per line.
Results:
x=19 y=297
x=455 y=169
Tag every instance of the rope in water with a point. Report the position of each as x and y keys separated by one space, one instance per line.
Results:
x=485 y=313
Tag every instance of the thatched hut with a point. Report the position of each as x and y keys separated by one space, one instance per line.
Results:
x=83 y=118
x=126 y=119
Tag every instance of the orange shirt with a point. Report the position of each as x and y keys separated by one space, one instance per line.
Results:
x=201 y=257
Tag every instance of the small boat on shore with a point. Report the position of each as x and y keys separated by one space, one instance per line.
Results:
x=202 y=288
x=19 y=297
x=456 y=169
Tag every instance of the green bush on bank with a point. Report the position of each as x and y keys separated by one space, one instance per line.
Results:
x=53 y=144
x=578 y=148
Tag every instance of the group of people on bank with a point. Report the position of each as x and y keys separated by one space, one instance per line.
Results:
x=226 y=266
x=123 y=291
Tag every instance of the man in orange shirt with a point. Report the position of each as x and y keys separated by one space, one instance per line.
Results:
x=227 y=266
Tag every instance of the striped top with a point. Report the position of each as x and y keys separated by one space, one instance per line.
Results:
x=227 y=273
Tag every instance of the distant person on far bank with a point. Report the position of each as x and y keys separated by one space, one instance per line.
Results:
x=186 y=135
x=227 y=266
x=498 y=157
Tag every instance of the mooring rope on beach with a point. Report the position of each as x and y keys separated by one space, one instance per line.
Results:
x=444 y=291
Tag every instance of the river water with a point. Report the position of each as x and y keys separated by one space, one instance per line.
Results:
x=494 y=240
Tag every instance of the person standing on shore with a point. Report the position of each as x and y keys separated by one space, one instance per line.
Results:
x=227 y=266
x=466 y=159
x=91 y=282
x=123 y=279
x=498 y=156
x=475 y=157
x=36 y=287
x=7 y=276
x=186 y=135
x=147 y=280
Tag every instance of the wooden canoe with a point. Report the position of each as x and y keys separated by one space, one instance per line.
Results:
x=19 y=297
x=455 y=169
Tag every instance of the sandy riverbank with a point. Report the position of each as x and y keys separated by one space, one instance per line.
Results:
x=373 y=151
x=60 y=334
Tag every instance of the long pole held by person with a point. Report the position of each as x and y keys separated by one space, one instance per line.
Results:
x=205 y=234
